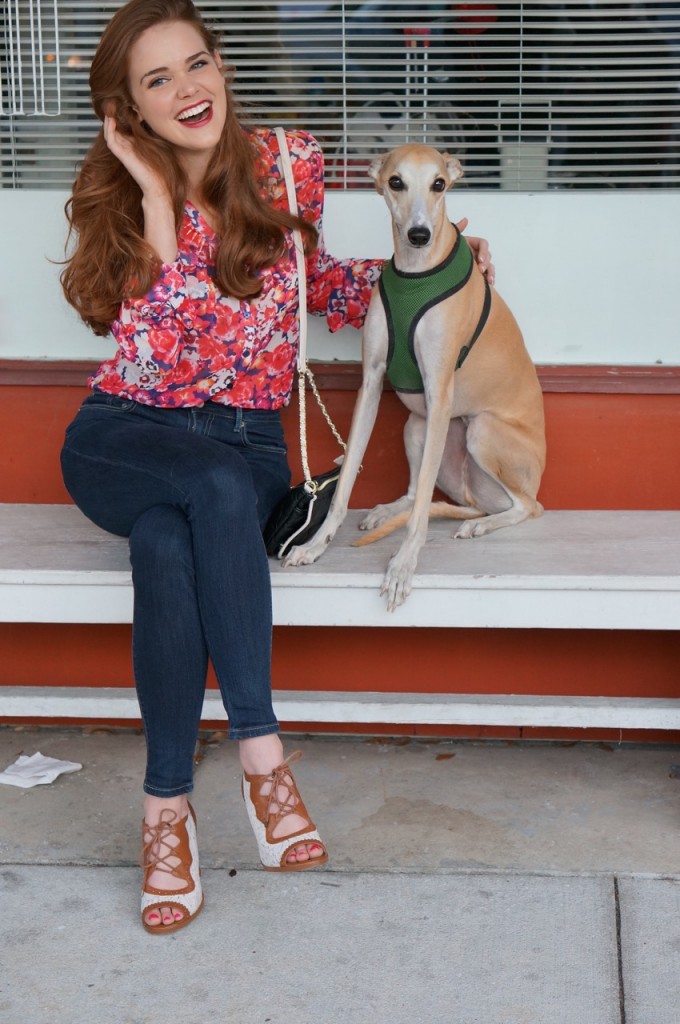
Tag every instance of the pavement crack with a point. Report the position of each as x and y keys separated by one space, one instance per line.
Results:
x=619 y=953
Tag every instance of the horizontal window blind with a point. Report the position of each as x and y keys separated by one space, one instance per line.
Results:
x=530 y=96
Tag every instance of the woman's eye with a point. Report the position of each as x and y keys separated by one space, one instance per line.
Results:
x=199 y=64
x=395 y=183
x=438 y=185
x=156 y=81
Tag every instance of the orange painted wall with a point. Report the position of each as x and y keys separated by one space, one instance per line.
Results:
x=605 y=451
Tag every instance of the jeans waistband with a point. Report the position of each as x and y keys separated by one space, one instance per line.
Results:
x=231 y=413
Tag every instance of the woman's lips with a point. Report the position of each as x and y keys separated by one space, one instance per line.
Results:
x=205 y=119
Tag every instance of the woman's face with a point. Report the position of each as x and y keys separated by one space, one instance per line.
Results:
x=177 y=88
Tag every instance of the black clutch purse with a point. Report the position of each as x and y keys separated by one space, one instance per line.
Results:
x=298 y=516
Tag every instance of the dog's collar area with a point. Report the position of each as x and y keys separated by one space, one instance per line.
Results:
x=406 y=297
x=458 y=257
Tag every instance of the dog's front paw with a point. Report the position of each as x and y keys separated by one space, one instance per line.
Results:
x=398 y=580
x=304 y=554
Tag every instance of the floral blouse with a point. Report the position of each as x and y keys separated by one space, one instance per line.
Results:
x=184 y=343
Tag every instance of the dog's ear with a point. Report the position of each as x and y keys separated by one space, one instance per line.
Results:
x=374 y=172
x=453 y=168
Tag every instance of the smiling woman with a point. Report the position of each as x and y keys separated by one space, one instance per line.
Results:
x=156 y=64
x=184 y=100
x=184 y=251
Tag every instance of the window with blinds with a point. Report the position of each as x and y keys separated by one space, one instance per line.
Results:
x=530 y=96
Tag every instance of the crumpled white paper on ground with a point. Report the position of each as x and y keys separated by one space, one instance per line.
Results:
x=36 y=770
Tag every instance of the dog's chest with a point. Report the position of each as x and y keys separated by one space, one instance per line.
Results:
x=406 y=298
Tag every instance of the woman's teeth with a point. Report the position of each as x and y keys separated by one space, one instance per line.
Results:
x=196 y=113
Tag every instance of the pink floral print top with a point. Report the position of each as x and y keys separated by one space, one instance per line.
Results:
x=184 y=343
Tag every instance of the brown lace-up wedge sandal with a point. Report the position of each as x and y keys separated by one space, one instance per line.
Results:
x=160 y=855
x=281 y=798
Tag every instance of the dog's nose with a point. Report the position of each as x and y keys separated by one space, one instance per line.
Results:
x=419 y=235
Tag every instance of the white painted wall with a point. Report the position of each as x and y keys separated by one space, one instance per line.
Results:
x=591 y=276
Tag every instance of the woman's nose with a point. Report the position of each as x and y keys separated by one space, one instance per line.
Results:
x=185 y=86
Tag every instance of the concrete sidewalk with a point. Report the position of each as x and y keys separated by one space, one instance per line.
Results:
x=469 y=884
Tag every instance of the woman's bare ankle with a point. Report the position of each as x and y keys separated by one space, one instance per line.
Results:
x=154 y=805
x=259 y=755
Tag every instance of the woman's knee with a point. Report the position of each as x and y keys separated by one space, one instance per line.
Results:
x=160 y=539
x=223 y=485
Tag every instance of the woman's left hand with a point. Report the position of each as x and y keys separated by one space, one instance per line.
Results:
x=481 y=252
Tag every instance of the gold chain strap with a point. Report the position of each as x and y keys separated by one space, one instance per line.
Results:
x=324 y=410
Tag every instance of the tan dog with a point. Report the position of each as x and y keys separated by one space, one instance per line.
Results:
x=476 y=428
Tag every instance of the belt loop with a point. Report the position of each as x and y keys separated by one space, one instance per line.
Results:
x=238 y=421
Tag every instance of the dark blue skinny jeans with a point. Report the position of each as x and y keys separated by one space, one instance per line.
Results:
x=191 y=488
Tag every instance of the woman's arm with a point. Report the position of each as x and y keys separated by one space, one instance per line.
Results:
x=159 y=218
x=153 y=327
x=338 y=289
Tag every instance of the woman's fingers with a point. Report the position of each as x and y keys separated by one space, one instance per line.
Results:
x=123 y=147
x=480 y=250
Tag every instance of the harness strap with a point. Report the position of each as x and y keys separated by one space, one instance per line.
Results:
x=486 y=308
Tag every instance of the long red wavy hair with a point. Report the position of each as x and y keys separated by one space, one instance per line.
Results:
x=110 y=260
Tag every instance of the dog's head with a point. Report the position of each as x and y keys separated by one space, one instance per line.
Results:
x=413 y=180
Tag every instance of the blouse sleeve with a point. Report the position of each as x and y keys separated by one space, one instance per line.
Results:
x=338 y=289
x=177 y=312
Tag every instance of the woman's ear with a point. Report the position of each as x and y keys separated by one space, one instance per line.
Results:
x=218 y=59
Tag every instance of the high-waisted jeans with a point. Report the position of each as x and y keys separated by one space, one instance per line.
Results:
x=191 y=488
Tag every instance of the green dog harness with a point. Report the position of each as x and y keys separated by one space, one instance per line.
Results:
x=407 y=297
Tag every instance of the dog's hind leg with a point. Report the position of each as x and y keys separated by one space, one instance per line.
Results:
x=451 y=479
x=504 y=472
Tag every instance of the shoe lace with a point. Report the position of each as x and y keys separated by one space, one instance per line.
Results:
x=156 y=851
x=281 y=778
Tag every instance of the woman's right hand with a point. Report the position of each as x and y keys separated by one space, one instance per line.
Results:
x=123 y=147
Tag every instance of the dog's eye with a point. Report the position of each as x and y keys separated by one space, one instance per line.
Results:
x=395 y=183
x=439 y=185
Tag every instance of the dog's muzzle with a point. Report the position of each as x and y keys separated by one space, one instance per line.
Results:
x=419 y=236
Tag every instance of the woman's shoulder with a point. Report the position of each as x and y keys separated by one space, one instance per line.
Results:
x=301 y=143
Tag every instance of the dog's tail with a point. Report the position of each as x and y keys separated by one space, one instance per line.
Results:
x=438 y=510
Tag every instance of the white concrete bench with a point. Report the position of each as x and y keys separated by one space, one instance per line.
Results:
x=568 y=570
